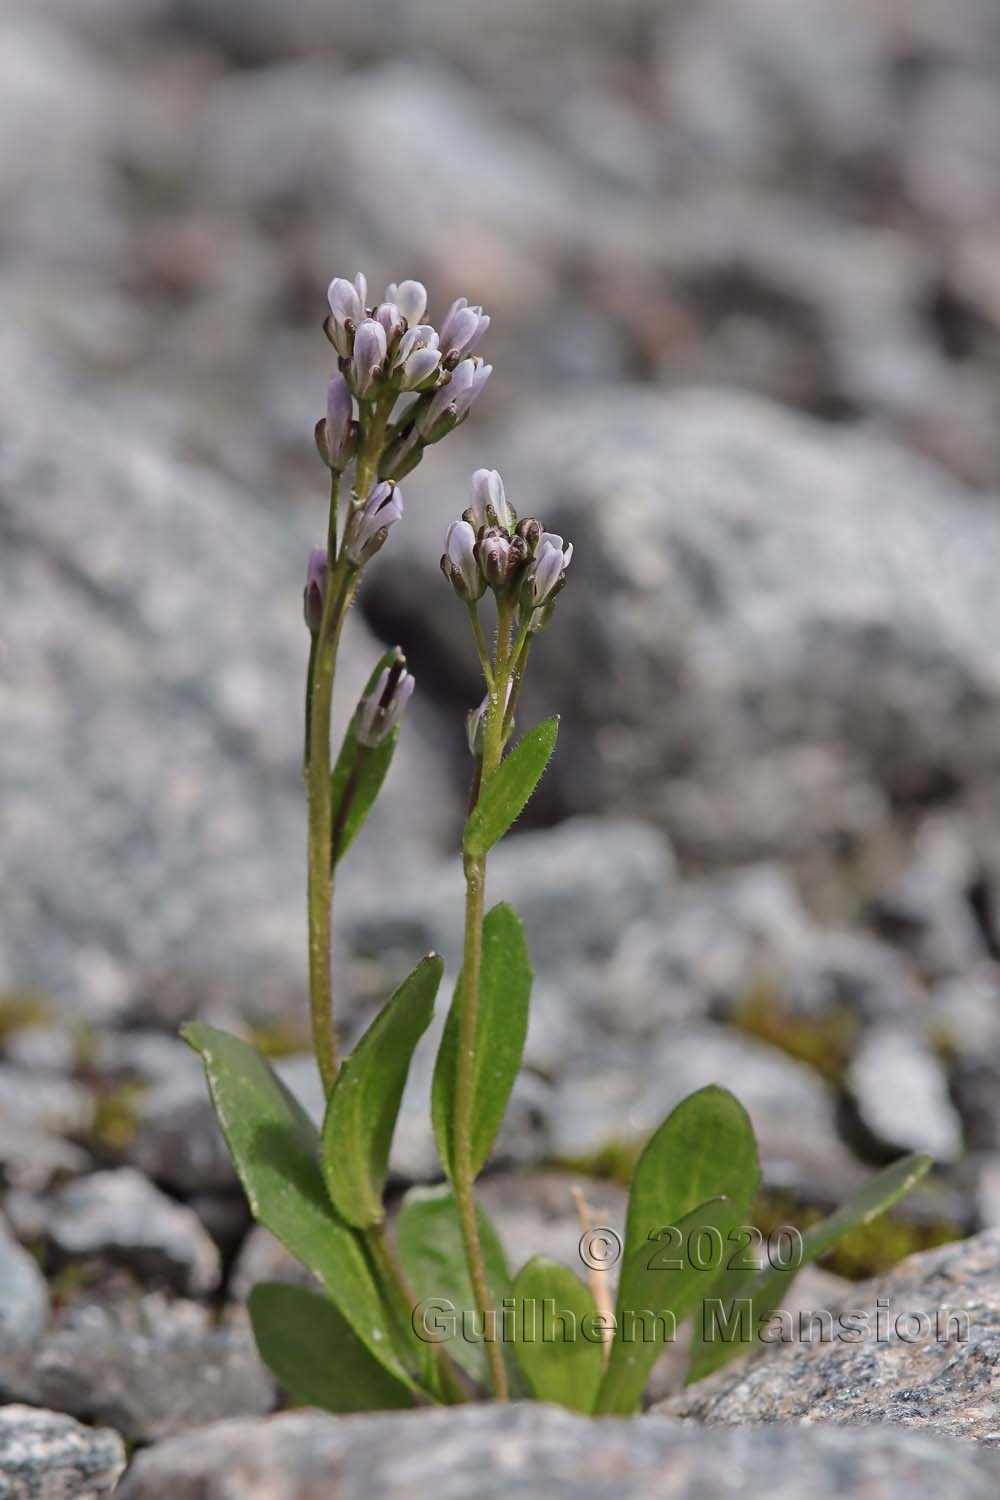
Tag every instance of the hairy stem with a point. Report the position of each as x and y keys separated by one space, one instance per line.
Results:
x=472 y=959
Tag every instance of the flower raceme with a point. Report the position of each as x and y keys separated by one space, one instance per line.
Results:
x=489 y=547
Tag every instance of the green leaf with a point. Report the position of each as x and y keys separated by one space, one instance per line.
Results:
x=359 y=772
x=501 y=1027
x=364 y=1101
x=506 y=794
x=698 y=1172
x=315 y=1354
x=550 y=1300
x=745 y=1298
x=433 y=1257
x=275 y=1149
x=661 y=1282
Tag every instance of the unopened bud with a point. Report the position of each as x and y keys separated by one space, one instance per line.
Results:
x=490 y=506
x=336 y=433
x=369 y=355
x=402 y=455
x=531 y=532
x=494 y=557
x=462 y=330
x=391 y=319
x=347 y=310
x=411 y=299
x=459 y=563
x=314 y=594
x=380 y=712
x=549 y=572
x=368 y=523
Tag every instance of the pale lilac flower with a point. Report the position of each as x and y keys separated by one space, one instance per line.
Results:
x=459 y=563
x=314 y=594
x=382 y=709
x=391 y=319
x=347 y=309
x=418 y=356
x=462 y=329
x=368 y=524
x=337 y=432
x=551 y=562
x=452 y=401
x=489 y=502
x=411 y=299
x=369 y=354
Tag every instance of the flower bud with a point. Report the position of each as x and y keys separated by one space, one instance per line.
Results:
x=462 y=330
x=459 y=563
x=402 y=455
x=451 y=402
x=382 y=709
x=368 y=524
x=549 y=572
x=336 y=434
x=493 y=552
x=475 y=727
x=531 y=532
x=314 y=594
x=391 y=319
x=411 y=299
x=418 y=356
x=347 y=310
x=369 y=353
x=489 y=502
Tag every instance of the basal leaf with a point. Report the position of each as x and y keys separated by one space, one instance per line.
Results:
x=501 y=1027
x=505 y=795
x=433 y=1257
x=316 y=1355
x=661 y=1282
x=558 y=1341
x=743 y=1300
x=275 y=1149
x=359 y=772
x=364 y=1101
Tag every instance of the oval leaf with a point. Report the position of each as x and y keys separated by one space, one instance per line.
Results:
x=275 y=1150
x=364 y=1101
x=359 y=772
x=660 y=1284
x=501 y=1027
x=744 y=1299
x=558 y=1342
x=505 y=795
x=316 y=1355
x=433 y=1257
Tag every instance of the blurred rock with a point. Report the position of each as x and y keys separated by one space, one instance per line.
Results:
x=854 y=974
x=484 y=1450
x=923 y=1359
x=24 y=1296
x=900 y=1090
x=45 y=1455
x=932 y=919
x=771 y=659
x=120 y=1215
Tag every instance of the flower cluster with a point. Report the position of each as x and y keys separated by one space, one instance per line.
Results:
x=490 y=548
x=424 y=380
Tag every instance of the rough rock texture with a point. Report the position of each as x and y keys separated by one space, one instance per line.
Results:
x=771 y=653
x=542 y=1453
x=121 y=1215
x=47 y=1456
x=917 y=1364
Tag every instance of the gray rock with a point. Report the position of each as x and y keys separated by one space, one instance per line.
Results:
x=263 y=1258
x=121 y=1216
x=852 y=974
x=764 y=669
x=929 y=916
x=965 y=1014
x=532 y=1451
x=45 y=1455
x=175 y=1375
x=169 y=660
x=901 y=1092
x=24 y=1296
x=619 y=1095
x=922 y=1355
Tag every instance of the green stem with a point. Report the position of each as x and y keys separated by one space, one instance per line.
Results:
x=481 y=646
x=396 y=1282
x=472 y=958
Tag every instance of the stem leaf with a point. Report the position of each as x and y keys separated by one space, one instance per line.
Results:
x=506 y=793
x=433 y=1257
x=745 y=1298
x=501 y=1027
x=569 y=1369
x=316 y=1355
x=364 y=1101
x=275 y=1150
x=359 y=772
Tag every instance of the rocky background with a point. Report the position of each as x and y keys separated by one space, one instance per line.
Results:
x=742 y=259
